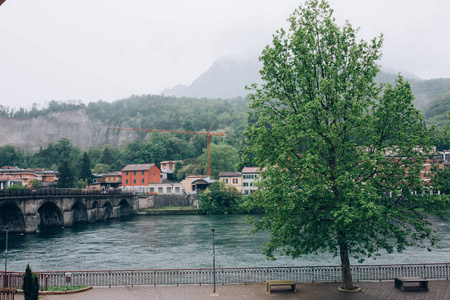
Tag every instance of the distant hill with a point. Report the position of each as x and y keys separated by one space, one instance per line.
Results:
x=435 y=113
x=225 y=79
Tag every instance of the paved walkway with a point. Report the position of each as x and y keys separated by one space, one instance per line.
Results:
x=439 y=290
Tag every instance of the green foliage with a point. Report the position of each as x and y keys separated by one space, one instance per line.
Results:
x=441 y=181
x=436 y=111
x=341 y=156
x=191 y=166
x=34 y=184
x=427 y=90
x=177 y=168
x=223 y=158
x=101 y=168
x=15 y=187
x=30 y=285
x=85 y=169
x=66 y=178
x=82 y=183
x=11 y=156
x=220 y=199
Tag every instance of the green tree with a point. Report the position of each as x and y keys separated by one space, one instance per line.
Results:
x=30 y=285
x=178 y=166
x=101 y=168
x=191 y=166
x=11 y=156
x=34 y=184
x=219 y=199
x=223 y=158
x=66 y=178
x=441 y=181
x=85 y=170
x=340 y=156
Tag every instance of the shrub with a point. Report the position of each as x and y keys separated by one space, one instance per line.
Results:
x=30 y=285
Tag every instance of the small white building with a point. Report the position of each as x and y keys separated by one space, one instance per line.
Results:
x=249 y=176
x=165 y=188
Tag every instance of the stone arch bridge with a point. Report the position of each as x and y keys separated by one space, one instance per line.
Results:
x=28 y=210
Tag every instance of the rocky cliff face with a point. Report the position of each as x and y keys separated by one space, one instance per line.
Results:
x=31 y=134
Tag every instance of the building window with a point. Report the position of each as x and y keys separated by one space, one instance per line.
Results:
x=235 y=180
x=142 y=172
x=245 y=183
x=169 y=190
x=225 y=180
x=126 y=181
x=142 y=180
x=126 y=173
x=154 y=173
x=177 y=189
x=160 y=190
x=246 y=192
x=152 y=190
x=134 y=181
x=134 y=172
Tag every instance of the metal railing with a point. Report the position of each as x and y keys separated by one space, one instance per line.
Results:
x=7 y=294
x=15 y=279
x=31 y=193
x=236 y=275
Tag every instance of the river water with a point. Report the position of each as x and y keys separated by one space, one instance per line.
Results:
x=168 y=242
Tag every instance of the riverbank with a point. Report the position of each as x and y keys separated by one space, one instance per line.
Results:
x=168 y=210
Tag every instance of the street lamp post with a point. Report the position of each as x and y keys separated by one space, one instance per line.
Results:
x=214 y=263
x=5 y=278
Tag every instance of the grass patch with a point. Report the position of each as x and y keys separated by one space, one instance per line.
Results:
x=65 y=288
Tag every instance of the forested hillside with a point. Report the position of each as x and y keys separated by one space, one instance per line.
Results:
x=111 y=150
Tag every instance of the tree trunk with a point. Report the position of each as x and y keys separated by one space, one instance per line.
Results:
x=345 y=264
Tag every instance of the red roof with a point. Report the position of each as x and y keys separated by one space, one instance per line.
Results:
x=144 y=167
x=251 y=170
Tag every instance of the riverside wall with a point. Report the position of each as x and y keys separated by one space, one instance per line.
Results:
x=158 y=201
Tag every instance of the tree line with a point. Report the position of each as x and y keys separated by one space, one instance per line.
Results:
x=76 y=167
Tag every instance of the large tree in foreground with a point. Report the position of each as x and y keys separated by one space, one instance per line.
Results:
x=342 y=154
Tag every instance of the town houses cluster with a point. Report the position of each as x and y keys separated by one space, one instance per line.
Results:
x=137 y=178
x=151 y=179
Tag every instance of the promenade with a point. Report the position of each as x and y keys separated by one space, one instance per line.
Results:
x=438 y=290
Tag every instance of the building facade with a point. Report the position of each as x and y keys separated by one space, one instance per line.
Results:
x=233 y=179
x=138 y=177
x=249 y=176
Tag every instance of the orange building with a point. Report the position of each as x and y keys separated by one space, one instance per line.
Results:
x=140 y=175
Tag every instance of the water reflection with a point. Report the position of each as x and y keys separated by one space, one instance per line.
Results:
x=142 y=242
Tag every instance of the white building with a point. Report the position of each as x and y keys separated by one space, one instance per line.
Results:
x=249 y=176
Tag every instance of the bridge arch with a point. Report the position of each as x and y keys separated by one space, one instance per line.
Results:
x=107 y=210
x=50 y=215
x=79 y=213
x=125 y=208
x=11 y=215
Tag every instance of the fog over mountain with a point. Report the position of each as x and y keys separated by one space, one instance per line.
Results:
x=228 y=76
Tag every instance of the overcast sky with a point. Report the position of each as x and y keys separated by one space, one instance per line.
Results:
x=109 y=49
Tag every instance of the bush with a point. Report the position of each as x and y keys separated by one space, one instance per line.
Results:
x=30 y=285
x=219 y=199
